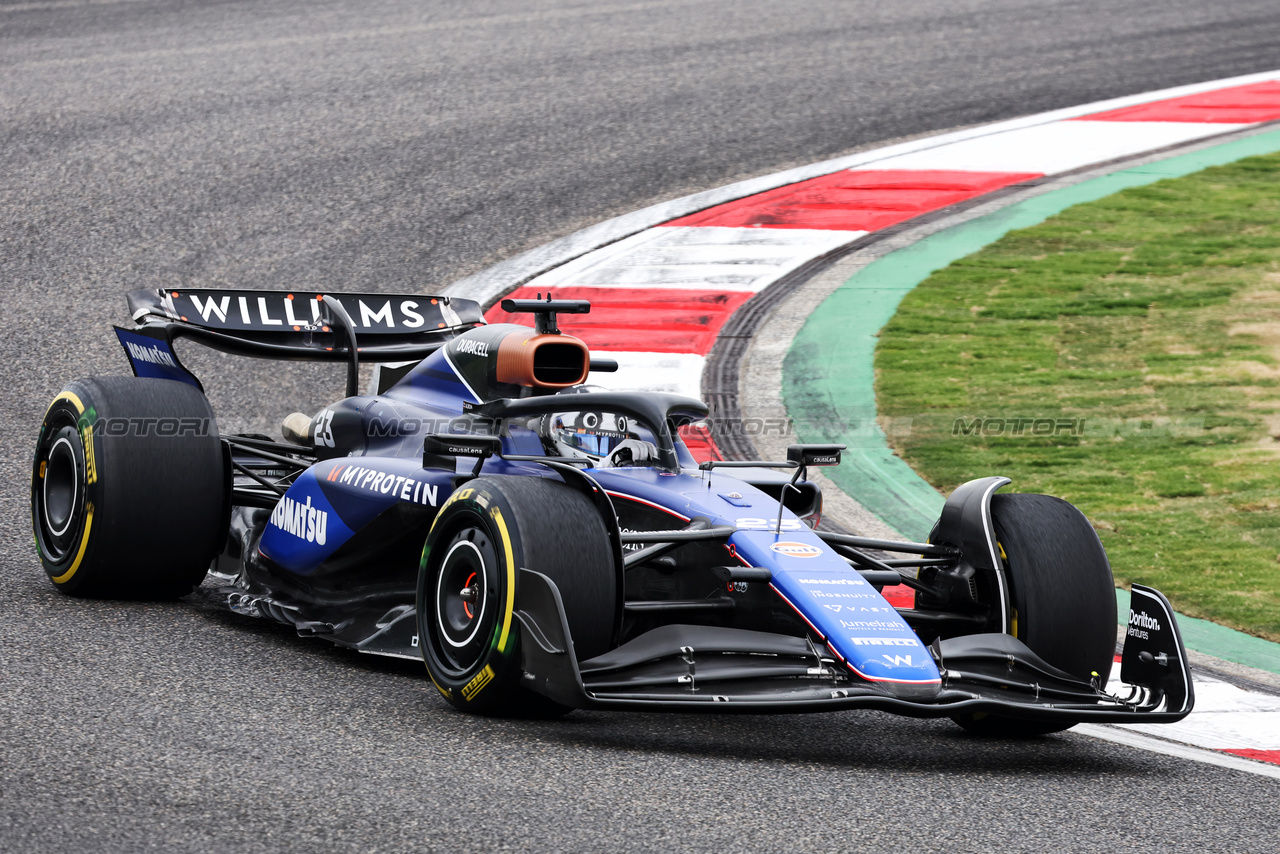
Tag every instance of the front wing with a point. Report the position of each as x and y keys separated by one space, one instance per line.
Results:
x=703 y=668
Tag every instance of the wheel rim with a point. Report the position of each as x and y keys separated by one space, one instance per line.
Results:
x=61 y=487
x=60 y=495
x=465 y=584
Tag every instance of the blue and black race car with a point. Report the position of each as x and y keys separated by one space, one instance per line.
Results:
x=543 y=545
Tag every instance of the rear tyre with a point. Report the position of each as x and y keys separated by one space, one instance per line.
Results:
x=1061 y=593
x=128 y=488
x=485 y=533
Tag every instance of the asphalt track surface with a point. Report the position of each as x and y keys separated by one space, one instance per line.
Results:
x=398 y=146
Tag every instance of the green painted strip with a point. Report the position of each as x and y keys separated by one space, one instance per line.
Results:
x=1213 y=639
x=829 y=375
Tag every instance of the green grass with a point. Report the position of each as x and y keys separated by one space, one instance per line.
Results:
x=1145 y=329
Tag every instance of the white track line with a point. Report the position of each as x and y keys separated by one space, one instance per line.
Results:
x=682 y=257
x=1226 y=717
x=1129 y=738
x=1057 y=147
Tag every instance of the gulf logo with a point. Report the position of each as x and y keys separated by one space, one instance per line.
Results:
x=796 y=549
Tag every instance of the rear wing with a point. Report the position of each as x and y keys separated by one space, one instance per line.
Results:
x=297 y=325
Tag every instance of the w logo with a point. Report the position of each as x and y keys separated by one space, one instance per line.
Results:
x=897 y=660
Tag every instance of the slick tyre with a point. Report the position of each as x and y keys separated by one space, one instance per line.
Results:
x=1061 y=592
x=485 y=533
x=128 y=489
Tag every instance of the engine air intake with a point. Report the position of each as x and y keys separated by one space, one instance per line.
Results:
x=557 y=363
x=542 y=361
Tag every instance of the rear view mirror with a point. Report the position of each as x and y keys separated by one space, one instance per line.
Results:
x=815 y=455
x=439 y=450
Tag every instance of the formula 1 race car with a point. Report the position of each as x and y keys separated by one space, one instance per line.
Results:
x=545 y=545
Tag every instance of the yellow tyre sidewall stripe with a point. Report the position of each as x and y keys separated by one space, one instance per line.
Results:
x=84 y=543
x=69 y=396
x=510 y=560
x=75 y=401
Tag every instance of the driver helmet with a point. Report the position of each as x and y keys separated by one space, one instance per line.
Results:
x=603 y=438
x=586 y=434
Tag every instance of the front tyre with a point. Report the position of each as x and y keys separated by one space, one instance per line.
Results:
x=128 y=488
x=485 y=533
x=1061 y=593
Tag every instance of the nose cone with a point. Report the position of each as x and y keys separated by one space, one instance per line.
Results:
x=916 y=692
